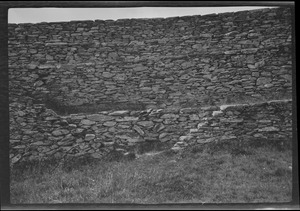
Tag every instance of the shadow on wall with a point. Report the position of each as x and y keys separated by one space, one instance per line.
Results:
x=63 y=109
x=238 y=98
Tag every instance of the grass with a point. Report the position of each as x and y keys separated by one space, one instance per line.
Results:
x=229 y=172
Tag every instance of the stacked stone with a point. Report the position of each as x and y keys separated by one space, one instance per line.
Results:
x=266 y=121
x=39 y=133
x=179 y=61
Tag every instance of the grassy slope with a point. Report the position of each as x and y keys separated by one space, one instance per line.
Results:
x=210 y=174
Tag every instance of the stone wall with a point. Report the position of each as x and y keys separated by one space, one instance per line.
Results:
x=159 y=63
x=39 y=133
x=181 y=69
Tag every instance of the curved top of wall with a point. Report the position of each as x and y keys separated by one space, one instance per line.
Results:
x=157 y=63
x=121 y=21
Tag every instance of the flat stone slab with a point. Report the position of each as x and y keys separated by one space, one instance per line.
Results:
x=60 y=132
x=146 y=123
x=118 y=113
x=268 y=129
x=87 y=122
x=99 y=117
x=109 y=123
x=89 y=137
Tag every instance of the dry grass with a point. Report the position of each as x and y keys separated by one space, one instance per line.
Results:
x=218 y=173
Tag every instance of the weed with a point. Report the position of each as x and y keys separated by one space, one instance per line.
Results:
x=212 y=173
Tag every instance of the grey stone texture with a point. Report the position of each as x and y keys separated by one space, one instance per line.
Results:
x=171 y=65
x=268 y=120
x=246 y=53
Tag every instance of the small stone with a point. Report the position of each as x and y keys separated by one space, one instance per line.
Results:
x=200 y=141
x=145 y=89
x=259 y=64
x=231 y=52
x=99 y=117
x=140 y=68
x=251 y=66
x=96 y=155
x=48 y=57
x=127 y=119
x=249 y=50
x=56 y=43
x=181 y=143
x=108 y=143
x=228 y=137
x=268 y=85
x=185 y=138
x=21 y=113
x=31 y=66
x=264 y=121
x=14 y=141
x=38 y=143
x=206 y=35
x=72 y=126
x=201 y=124
x=139 y=130
x=162 y=135
x=149 y=139
x=109 y=123
x=147 y=124
x=187 y=65
x=38 y=83
x=46 y=66
x=215 y=113
x=123 y=126
x=89 y=137
x=169 y=116
x=184 y=77
x=259 y=135
x=79 y=140
x=176 y=148
x=194 y=117
x=119 y=113
x=234 y=120
x=79 y=130
x=287 y=77
x=197 y=46
x=107 y=74
x=69 y=138
x=60 y=132
x=76 y=117
x=19 y=147
x=51 y=118
x=87 y=122
x=16 y=158
x=268 y=129
x=134 y=140
x=263 y=81
x=182 y=119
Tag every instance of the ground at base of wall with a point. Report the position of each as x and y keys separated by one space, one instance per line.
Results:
x=216 y=173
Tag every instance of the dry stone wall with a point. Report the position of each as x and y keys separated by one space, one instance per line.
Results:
x=39 y=133
x=159 y=63
x=182 y=69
